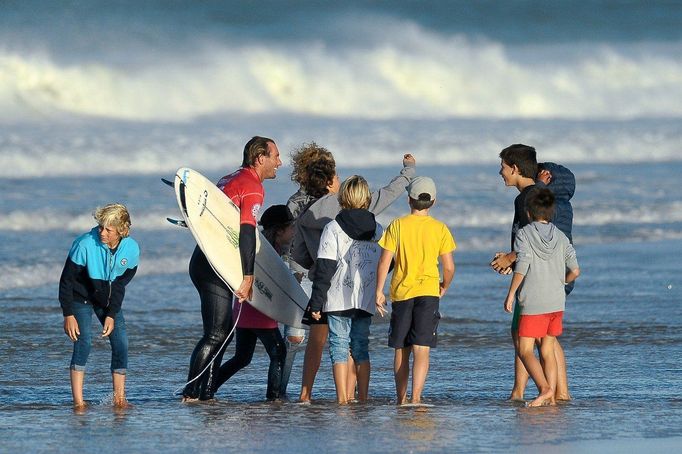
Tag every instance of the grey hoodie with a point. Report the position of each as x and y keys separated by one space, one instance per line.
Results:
x=543 y=255
x=312 y=220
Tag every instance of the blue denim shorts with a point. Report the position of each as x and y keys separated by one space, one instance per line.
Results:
x=118 y=339
x=349 y=333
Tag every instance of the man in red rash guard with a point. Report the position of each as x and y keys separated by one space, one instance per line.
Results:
x=245 y=188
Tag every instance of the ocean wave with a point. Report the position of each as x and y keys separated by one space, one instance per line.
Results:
x=119 y=148
x=667 y=213
x=46 y=220
x=36 y=275
x=415 y=73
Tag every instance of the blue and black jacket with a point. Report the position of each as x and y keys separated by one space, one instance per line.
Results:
x=563 y=188
x=96 y=274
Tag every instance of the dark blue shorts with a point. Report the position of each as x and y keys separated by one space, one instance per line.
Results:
x=414 y=322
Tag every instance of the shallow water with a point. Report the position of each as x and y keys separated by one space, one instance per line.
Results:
x=99 y=99
x=623 y=335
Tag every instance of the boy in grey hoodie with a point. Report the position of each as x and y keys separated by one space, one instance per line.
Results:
x=545 y=263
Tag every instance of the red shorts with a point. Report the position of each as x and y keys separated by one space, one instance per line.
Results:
x=541 y=325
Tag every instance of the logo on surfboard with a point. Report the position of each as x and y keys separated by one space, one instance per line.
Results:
x=263 y=289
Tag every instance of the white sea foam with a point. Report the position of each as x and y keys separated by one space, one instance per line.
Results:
x=415 y=73
x=109 y=147
x=28 y=276
x=46 y=219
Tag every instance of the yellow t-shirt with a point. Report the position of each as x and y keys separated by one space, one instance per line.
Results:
x=416 y=242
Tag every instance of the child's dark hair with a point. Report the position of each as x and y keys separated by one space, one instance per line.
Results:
x=523 y=157
x=423 y=203
x=270 y=233
x=275 y=220
x=540 y=204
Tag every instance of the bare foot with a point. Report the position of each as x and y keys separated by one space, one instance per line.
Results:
x=516 y=396
x=79 y=407
x=189 y=400
x=122 y=403
x=545 y=398
x=563 y=397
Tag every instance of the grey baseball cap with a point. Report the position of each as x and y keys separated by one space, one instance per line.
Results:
x=421 y=185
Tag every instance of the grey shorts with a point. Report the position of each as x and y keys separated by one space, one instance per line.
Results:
x=414 y=322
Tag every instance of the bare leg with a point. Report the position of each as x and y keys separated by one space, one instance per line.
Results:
x=401 y=372
x=363 y=371
x=549 y=363
x=119 y=381
x=77 y=379
x=534 y=368
x=420 y=370
x=520 y=373
x=340 y=371
x=351 y=379
x=562 y=375
x=312 y=359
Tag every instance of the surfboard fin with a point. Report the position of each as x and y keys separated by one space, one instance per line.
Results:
x=168 y=182
x=178 y=222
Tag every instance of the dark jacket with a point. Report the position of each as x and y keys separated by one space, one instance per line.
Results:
x=562 y=186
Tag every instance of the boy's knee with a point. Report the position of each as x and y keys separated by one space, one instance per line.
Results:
x=360 y=350
x=338 y=352
x=526 y=348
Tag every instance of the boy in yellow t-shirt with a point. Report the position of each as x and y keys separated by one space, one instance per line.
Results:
x=418 y=243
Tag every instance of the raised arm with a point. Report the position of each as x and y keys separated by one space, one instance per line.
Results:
x=385 y=196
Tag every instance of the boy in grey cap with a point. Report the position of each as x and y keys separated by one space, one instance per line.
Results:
x=418 y=242
x=545 y=263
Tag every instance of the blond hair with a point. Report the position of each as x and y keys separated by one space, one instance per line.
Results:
x=114 y=215
x=354 y=193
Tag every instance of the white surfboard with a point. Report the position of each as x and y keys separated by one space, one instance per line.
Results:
x=214 y=222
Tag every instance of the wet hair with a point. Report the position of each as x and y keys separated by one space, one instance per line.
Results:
x=313 y=168
x=254 y=149
x=423 y=203
x=540 y=204
x=114 y=215
x=354 y=193
x=523 y=157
